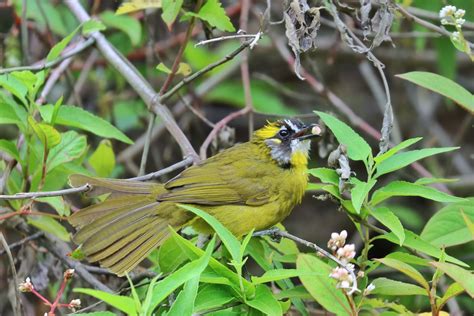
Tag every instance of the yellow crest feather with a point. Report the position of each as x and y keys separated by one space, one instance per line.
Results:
x=268 y=131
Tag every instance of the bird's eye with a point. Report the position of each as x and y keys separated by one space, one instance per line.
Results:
x=283 y=133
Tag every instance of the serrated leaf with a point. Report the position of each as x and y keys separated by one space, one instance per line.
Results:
x=136 y=5
x=464 y=277
x=392 y=151
x=359 y=192
x=170 y=10
x=443 y=86
x=10 y=148
x=403 y=188
x=391 y=221
x=72 y=146
x=123 y=303
x=49 y=225
x=103 y=159
x=357 y=147
x=401 y=160
x=384 y=286
x=213 y=13
x=73 y=116
x=92 y=26
x=447 y=228
x=124 y=23
x=322 y=288
x=405 y=269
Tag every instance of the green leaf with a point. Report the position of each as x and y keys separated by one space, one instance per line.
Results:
x=170 y=256
x=103 y=159
x=47 y=134
x=404 y=159
x=425 y=181
x=357 y=147
x=464 y=277
x=403 y=188
x=408 y=258
x=170 y=10
x=443 y=86
x=415 y=242
x=212 y=296
x=213 y=13
x=58 y=203
x=51 y=19
x=280 y=274
x=101 y=313
x=136 y=5
x=15 y=86
x=228 y=239
x=453 y=290
x=92 y=26
x=264 y=98
x=184 y=303
x=360 y=191
x=295 y=292
x=72 y=146
x=163 y=68
x=265 y=302
x=56 y=107
x=11 y=113
x=123 y=303
x=124 y=23
x=405 y=269
x=10 y=148
x=192 y=269
x=447 y=227
x=392 y=151
x=60 y=46
x=215 y=267
x=322 y=288
x=326 y=175
x=69 y=115
x=384 y=286
x=391 y=221
x=49 y=225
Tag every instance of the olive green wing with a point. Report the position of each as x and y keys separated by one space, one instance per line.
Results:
x=235 y=176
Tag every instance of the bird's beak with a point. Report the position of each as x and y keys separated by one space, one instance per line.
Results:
x=308 y=132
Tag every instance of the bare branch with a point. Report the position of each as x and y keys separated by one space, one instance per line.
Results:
x=33 y=195
x=276 y=232
x=151 y=176
x=17 y=305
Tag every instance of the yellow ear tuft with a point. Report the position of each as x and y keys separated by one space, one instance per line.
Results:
x=268 y=131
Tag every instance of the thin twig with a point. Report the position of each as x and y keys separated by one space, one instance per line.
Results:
x=24 y=33
x=218 y=126
x=52 y=79
x=254 y=37
x=86 y=187
x=277 y=232
x=23 y=241
x=151 y=176
x=17 y=305
x=203 y=71
x=146 y=148
x=72 y=50
x=33 y=195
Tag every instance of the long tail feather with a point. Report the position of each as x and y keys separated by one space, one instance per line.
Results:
x=122 y=230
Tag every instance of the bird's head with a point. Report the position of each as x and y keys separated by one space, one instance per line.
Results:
x=289 y=141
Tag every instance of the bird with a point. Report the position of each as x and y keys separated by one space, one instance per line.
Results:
x=250 y=186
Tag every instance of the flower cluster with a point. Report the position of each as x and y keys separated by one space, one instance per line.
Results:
x=450 y=15
x=74 y=304
x=345 y=253
x=26 y=286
